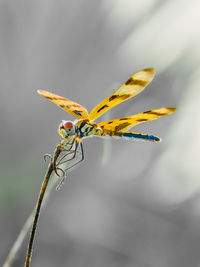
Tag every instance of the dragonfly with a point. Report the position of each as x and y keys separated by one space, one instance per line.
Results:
x=84 y=126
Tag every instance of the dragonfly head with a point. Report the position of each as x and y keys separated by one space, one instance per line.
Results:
x=66 y=129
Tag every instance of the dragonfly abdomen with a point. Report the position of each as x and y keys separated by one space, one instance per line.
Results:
x=140 y=136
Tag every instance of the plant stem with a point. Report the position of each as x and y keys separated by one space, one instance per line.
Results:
x=50 y=169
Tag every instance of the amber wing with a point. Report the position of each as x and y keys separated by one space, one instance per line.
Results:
x=73 y=108
x=132 y=87
x=124 y=124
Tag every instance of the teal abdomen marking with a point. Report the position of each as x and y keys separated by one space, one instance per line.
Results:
x=141 y=136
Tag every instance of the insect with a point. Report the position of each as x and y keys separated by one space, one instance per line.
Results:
x=74 y=131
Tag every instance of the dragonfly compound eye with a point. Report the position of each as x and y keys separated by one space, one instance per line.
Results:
x=68 y=125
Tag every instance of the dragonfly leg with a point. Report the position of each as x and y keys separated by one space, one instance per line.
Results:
x=75 y=163
x=67 y=150
x=70 y=145
x=55 y=167
x=81 y=159
x=73 y=152
x=46 y=156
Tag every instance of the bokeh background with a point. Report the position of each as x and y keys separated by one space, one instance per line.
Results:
x=129 y=203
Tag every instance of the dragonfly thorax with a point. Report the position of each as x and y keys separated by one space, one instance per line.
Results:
x=67 y=128
x=87 y=128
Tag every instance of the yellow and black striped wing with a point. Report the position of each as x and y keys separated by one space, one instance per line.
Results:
x=124 y=124
x=73 y=108
x=132 y=87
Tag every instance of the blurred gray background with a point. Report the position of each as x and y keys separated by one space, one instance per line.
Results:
x=129 y=203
